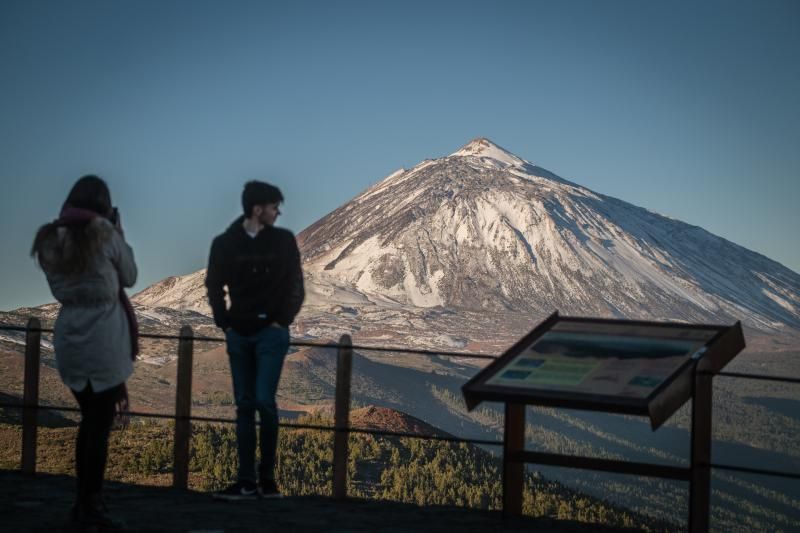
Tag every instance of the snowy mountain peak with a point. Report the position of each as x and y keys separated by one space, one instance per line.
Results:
x=484 y=148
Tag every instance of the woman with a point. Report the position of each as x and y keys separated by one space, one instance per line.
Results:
x=87 y=263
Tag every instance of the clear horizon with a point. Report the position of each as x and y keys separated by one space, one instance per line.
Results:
x=692 y=111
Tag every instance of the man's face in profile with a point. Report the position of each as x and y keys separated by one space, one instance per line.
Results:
x=268 y=213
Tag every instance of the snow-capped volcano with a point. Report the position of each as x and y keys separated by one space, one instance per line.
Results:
x=482 y=229
x=485 y=229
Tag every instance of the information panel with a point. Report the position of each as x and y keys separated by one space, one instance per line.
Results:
x=607 y=365
x=608 y=359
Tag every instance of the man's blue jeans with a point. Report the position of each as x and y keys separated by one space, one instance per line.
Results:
x=256 y=364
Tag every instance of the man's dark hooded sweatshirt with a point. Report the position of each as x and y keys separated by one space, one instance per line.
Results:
x=263 y=276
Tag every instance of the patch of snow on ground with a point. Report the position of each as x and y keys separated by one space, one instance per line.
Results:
x=13 y=340
x=447 y=340
x=778 y=300
x=415 y=294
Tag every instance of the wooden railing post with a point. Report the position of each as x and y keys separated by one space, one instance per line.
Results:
x=183 y=409
x=513 y=467
x=344 y=365
x=30 y=395
x=700 y=482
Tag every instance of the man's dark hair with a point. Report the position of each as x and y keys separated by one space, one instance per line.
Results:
x=259 y=193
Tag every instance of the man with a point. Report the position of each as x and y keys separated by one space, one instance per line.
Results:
x=260 y=266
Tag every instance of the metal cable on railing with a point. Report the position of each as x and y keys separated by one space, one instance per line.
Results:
x=292 y=425
x=398 y=349
x=759 y=471
x=415 y=351
x=762 y=377
x=376 y=432
x=383 y=433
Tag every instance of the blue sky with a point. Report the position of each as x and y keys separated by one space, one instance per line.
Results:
x=690 y=110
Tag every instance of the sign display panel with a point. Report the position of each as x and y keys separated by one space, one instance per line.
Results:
x=618 y=366
x=607 y=359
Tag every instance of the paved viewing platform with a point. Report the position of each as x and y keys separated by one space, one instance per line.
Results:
x=42 y=503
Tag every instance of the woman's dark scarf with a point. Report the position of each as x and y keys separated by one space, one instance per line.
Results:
x=74 y=216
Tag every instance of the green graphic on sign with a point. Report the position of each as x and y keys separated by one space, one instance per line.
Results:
x=550 y=372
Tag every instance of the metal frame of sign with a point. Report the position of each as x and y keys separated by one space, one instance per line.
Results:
x=692 y=379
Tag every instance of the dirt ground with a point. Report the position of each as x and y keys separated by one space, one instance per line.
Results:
x=42 y=502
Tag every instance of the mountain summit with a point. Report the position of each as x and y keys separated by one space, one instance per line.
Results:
x=482 y=229
x=483 y=148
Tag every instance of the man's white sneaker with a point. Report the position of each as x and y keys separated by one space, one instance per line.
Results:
x=241 y=490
